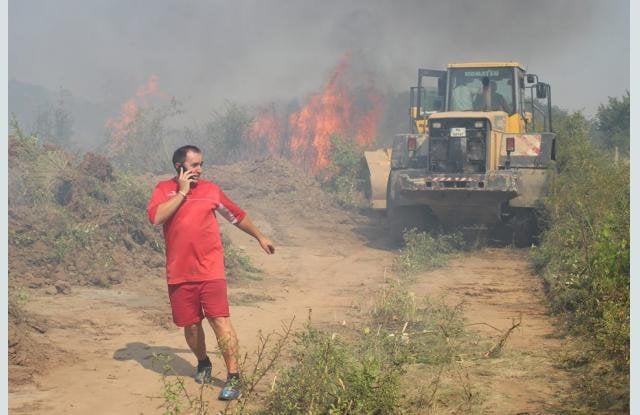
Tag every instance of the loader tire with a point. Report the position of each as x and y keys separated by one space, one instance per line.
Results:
x=524 y=228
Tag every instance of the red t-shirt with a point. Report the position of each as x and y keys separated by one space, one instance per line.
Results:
x=192 y=237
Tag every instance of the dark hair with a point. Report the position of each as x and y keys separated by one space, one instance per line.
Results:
x=485 y=81
x=180 y=155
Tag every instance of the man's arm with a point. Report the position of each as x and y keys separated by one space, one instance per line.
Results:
x=247 y=226
x=168 y=208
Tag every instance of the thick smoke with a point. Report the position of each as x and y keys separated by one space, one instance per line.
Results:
x=251 y=51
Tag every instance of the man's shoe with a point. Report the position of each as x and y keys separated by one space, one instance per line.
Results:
x=231 y=390
x=203 y=372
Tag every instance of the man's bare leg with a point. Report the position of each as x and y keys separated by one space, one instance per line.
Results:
x=227 y=341
x=194 y=335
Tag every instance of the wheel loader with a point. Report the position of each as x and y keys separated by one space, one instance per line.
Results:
x=478 y=156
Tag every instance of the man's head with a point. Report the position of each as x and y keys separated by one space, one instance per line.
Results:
x=189 y=158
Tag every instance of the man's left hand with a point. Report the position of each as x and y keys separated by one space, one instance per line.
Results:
x=267 y=246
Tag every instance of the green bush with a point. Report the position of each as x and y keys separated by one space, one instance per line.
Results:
x=35 y=171
x=344 y=177
x=425 y=328
x=394 y=306
x=584 y=252
x=362 y=370
x=423 y=251
x=333 y=376
x=225 y=137
x=612 y=124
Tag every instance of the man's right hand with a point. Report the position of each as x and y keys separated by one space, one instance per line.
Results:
x=185 y=180
x=168 y=208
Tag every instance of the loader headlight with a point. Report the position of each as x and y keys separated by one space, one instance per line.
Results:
x=436 y=125
x=479 y=124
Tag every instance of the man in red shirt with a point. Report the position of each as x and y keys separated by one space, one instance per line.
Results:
x=187 y=207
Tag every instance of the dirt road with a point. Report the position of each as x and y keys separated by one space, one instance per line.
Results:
x=110 y=335
x=328 y=261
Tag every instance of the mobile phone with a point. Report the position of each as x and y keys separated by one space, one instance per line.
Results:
x=180 y=166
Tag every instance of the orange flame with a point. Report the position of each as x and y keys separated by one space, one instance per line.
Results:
x=324 y=114
x=266 y=127
x=151 y=88
x=333 y=111
x=368 y=122
x=121 y=125
x=129 y=111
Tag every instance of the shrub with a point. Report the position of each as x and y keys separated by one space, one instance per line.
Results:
x=363 y=370
x=332 y=376
x=97 y=166
x=394 y=306
x=226 y=134
x=612 y=124
x=584 y=252
x=424 y=251
x=345 y=175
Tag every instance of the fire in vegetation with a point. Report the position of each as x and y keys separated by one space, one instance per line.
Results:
x=345 y=108
x=121 y=125
x=268 y=129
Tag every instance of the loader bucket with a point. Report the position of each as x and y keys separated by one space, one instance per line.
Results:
x=378 y=166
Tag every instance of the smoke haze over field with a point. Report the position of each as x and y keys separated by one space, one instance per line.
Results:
x=256 y=51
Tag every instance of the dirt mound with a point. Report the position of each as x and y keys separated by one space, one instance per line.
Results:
x=88 y=227
x=275 y=187
x=265 y=178
x=28 y=352
x=71 y=223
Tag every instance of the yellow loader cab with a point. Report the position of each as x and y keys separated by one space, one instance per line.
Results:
x=478 y=154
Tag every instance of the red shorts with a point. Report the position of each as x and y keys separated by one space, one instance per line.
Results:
x=193 y=301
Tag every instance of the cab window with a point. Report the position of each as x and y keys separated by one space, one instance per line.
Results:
x=467 y=86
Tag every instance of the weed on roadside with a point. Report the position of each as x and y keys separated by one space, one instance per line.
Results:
x=176 y=399
x=406 y=358
x=424 y=251
x=601 y=384
x=412 y=361
x=333 y=376
x=394 y=305
x=264 y=362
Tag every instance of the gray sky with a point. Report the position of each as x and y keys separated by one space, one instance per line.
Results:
x=255 y=51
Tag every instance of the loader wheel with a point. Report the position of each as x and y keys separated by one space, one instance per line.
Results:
x=524 y=228
x=403 y=218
